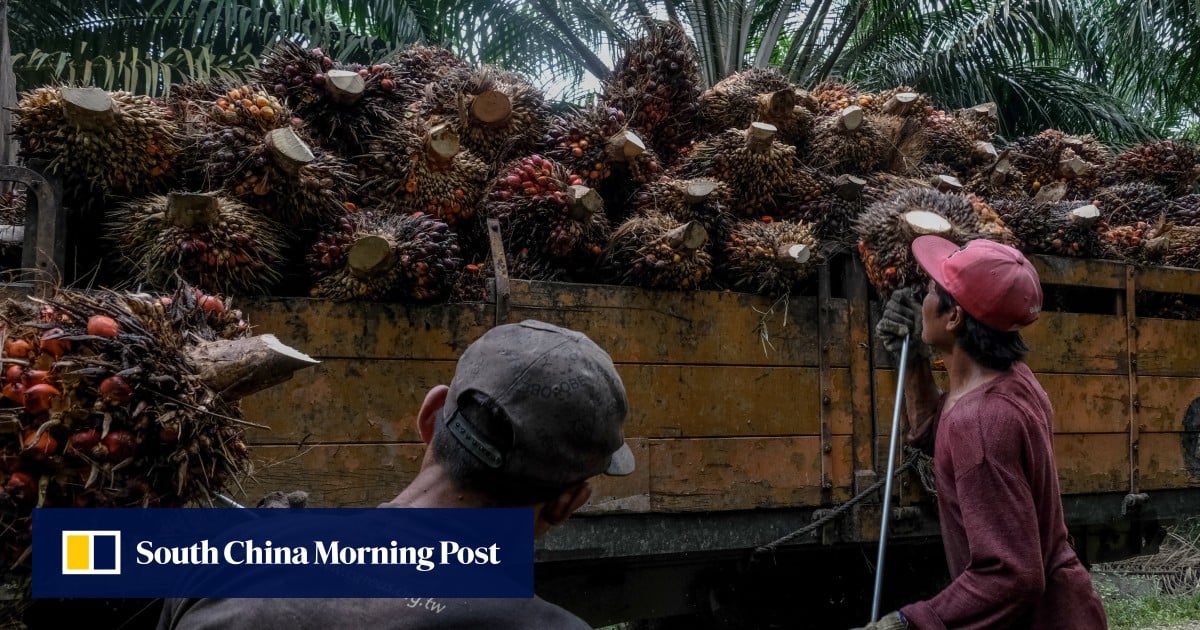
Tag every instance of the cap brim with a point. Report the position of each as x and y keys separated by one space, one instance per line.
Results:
x=621 y=463
x=931 y=251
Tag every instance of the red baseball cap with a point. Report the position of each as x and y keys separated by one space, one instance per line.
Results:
x=994 y=283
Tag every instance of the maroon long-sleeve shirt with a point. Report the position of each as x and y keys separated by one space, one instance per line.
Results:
x=1002 y=518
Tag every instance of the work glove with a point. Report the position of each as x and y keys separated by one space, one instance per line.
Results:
x=890 y=621
x=902 y=316
x=277 y=499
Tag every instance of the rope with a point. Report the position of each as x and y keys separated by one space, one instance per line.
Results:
x=913 y=458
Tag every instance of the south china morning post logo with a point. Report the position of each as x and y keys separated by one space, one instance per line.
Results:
x=91 y=552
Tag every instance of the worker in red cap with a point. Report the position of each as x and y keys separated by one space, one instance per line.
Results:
x=1001 y=514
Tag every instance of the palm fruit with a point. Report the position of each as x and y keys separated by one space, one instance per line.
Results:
x=1126 y=242
x=658 y=252
x=980 y=123
x=1172 y=164
x=247 y=146
x=703 y=200
x=849 y=142
x=1053 y=156
x=834 y=96
x=755 y=95
x=342 y=104
x=422 y=168
x=1174 y=246
x=998 y=180
x=497 y=114
x=417 y=66
x=830 y=207
x=595 y=144
x=1185 y=210
x=1067 y=228
x=755 y=166
x=471 y=282
x=888 y=227
x=769 y=258
x=211 y=241
x=103 y=144
x=412 y=258
x=107 y=408
x=958 y=142
x=657 y=84
x=1126 y=204
x=901 y=101
x=548 y=211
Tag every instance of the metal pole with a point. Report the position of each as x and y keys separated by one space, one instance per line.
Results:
x=891 y=472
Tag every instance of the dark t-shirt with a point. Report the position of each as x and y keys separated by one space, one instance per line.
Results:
x=1002 y=518
x=365 y=614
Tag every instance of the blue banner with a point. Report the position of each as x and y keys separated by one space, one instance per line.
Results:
x=144 y=553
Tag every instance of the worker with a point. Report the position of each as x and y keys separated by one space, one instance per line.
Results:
x=532 y=412
x=1001 y=514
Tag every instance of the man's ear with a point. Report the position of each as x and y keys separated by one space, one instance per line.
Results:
x=435 y=399
x=957 y=319
x=557 y=511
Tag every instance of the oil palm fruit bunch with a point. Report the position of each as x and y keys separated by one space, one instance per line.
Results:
x=1125 y=204
x=998 y=179
x=549 y=211
x=1185 y=210
x=1172 y=164
x=955 y=141
x=103 y=144
x=1127 y=242
x=409 y=257
x=834 y=96
x=213 y=242
x=1051 y=156
x=888 y=227
x=342 y=104
x=657 y=84
x=771 y=258
x=419 y=167
x=901 y=101
x=755 y=166
x=417 y=66
x=849 y=142
x=755 y=95
x=657 y=251
x=1173 y=246
x=828 y=206
x=110 y=406
x=497 y=114
x=596 y=144
x=471 y=282
x=705 y=201
x=1066 y=228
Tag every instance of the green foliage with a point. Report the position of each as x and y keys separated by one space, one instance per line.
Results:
x=1149 y=612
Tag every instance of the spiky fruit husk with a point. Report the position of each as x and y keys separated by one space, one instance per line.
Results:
x=1040 y=158
x=834 y=96
x=452 y=100
x=130 y=153
x=420 y=264
x=886 y=237
x=231 y=150
x=747 y=96
x=755 y=177
x=1172 y=164
x=168 y=440
x=471 y=282
x=641 y=254
x=299 y=77
x=756 y=256
x=533 y=199
x=1049 y=229
x=1126 y=242
x=1185 y=210
x=835 y=149
x=418 y=66
x=1125 y=204
x=403 y=174
x=657 y=83
x=670 y=196
x=233 y=251
x=582 y=142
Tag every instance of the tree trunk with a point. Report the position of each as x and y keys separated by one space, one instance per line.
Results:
x=240 y=367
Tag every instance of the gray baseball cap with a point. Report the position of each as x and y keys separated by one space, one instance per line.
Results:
x=562 y=395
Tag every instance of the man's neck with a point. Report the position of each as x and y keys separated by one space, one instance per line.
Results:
x=965 y=374
x=432 y=488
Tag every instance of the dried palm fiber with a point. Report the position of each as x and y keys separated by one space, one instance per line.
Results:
x=497 y=114
x=755 y=95
x=1174 y=246
x=769 y=258
x=658 y=252
x=657 y=83
x=705 y=201
x=834 y=96
x=1125 y=204
x=1051 y=156
x=1185 y=210
x=849 y=142
x=1126 y=242
x=755 y=166
x=886 y=184
x=343 y=105
x=548 y=211
x=1172 y=164
x=114 y=403
x=213 y=242
x=103 y=144
x=422 y=167
x=412 y=258
x=417 y=66
x=1066 y=228
x=471 y=282
x=246 y=145
x=888 y=227
x=830 y=206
